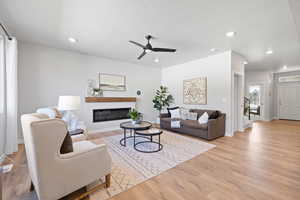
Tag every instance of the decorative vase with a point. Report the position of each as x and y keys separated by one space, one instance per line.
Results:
x=133 y=122
x=90 y=87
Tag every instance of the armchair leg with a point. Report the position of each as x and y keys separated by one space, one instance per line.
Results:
x=94 y=189
x=107 y=181
x=31 y=187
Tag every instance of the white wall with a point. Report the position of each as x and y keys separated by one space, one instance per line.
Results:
x=264 y=78
x=237 y=69
x=269 y=80
x=277 y=85
x=2 y=125
x=217 y=69
x=46 y=73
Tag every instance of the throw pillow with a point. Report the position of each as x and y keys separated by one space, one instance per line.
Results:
x=175 y=113
x=67 y=145
x=214 y=115
x=174 y=108
x=58 y=114
x=203 y=119
x=184 y=113
x=175 y=123
x=192 y=116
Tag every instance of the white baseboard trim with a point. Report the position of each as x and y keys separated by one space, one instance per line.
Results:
x=20 y=141
x=103 y=130
x=248 y=125
x=228 y=134
x=113 y=128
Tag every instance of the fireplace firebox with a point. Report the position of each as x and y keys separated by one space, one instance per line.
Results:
x=101 y=115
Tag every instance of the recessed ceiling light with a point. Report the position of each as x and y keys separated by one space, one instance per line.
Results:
x=72 y=40
x=245 y=63
x=156 y=60
x=269 y=51
x=213 y=49
x=230 y=34
x=284 y=67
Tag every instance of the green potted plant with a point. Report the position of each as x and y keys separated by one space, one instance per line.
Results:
x=134 y=115
x=162 y=99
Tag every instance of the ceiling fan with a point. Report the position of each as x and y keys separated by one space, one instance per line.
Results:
x=148 y=47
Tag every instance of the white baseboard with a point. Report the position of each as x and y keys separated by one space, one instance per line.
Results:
x=20 y=141
x=228 y=134
x=248 y=125
x=103 y=130
x=113 y=128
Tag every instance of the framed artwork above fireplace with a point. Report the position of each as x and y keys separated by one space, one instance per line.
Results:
x=112 y=82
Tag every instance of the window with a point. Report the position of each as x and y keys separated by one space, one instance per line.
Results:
x=254 y=94
x=2 y=85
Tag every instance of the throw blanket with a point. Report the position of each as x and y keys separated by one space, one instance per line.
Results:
x=175 y=123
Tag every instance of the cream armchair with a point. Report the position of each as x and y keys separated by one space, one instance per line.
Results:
x=56 y=175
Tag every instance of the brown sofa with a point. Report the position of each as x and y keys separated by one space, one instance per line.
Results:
x=213 y=129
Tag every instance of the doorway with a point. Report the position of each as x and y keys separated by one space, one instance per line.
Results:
x=289 y=106
x=256 y=96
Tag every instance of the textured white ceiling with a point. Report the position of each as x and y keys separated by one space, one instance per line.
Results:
x=104 y=27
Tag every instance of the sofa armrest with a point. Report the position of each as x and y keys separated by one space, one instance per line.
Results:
x=216 y=127
x=164 y=115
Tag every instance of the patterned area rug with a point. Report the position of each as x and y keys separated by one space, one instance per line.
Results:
x=131 y=167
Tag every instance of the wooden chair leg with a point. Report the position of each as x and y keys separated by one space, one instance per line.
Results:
x=107 y=181
x=31 y=186
x=94 y=189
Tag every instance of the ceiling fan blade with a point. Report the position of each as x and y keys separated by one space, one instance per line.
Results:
x=144 y=53
x=138 y=44
x=163 y=50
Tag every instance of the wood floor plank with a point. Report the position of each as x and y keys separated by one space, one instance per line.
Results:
x=260 y=163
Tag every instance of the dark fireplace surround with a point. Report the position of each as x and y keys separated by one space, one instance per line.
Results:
x=111 y=114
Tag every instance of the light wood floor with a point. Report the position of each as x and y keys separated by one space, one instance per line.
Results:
x=262 y=163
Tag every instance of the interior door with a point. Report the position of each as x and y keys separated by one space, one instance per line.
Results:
x=289 y=102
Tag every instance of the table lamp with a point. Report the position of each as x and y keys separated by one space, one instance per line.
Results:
x=68 y=104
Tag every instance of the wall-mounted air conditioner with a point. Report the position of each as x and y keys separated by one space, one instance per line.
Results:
x=286 y=79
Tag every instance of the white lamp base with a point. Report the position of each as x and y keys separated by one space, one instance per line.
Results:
x=71 y=120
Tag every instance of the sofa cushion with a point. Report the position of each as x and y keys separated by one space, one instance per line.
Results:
x=192 y=116
x=185 y=123
x=169 y=119
x=201 y=112
x=193 y=124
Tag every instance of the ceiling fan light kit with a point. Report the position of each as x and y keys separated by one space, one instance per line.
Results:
x=148 y=47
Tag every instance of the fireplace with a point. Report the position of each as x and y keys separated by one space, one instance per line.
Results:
x=101 y=115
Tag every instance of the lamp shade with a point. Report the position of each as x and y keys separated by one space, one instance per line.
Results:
x=69 y=103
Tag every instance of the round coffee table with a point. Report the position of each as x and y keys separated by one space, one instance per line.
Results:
x=143 y=125
x=149 y=133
